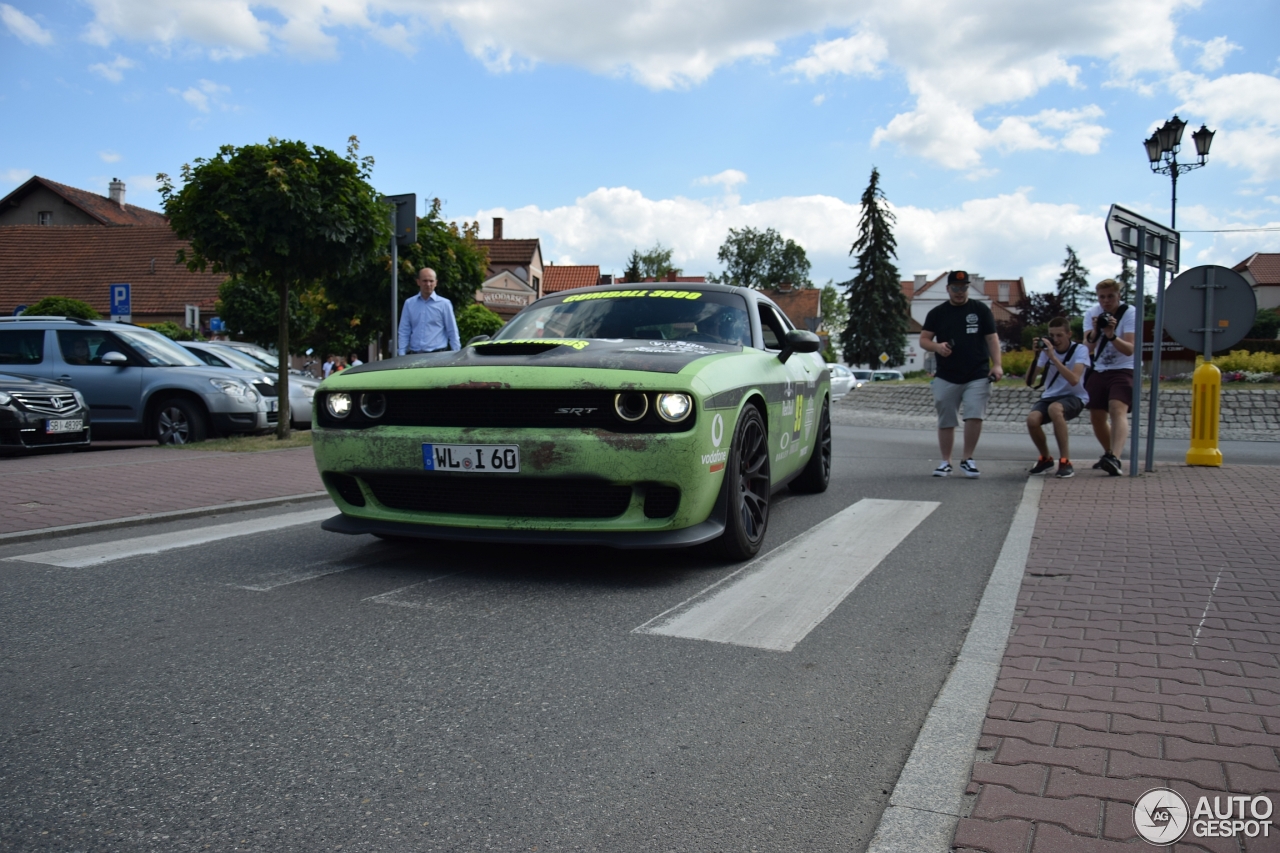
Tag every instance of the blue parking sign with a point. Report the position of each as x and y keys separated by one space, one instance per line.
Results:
x=120 y=300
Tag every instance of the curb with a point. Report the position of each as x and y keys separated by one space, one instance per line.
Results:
x=155 y=518
x=929 y=797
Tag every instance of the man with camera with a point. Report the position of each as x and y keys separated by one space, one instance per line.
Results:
x=962 y=333
x=1064 y=362
x=1109 y=331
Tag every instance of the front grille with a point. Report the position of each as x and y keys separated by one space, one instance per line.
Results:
x=661 y=501
x=266 y=389
x=505 y=407
x=49 y=404
x=273 y=417
x=496 y=495
x=346 y=486
x=40 y=438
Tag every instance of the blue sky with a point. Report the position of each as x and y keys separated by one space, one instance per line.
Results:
x=1002 y=129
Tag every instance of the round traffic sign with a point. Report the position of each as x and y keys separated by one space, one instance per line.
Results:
x=1234 y=308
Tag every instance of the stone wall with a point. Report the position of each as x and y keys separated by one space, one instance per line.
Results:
x=1244 y=409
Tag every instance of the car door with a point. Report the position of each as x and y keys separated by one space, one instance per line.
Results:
x=112 y=391
x=791 y=406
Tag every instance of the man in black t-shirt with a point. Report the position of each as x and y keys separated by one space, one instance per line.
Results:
x=962 y=333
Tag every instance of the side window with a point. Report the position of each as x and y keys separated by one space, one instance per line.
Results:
x=21 y=346
x=88 y=346
x=772 y=326
x=208 y=357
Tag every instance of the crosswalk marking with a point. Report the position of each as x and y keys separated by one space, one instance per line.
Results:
x=776 y=600
x=93 y=555
x=398 y=597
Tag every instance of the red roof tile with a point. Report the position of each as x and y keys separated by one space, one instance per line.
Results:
x=509 y=251
x=1264 y=267
x=99 y=207
x=557 y=277
x=80 y=261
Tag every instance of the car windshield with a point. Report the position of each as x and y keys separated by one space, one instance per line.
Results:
x=264 y=358
x=236 y=358
x=862 y=374
x=158 y=350
x=651 y=314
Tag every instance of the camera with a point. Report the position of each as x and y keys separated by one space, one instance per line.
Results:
x=1103 y=320
x=1039 y=343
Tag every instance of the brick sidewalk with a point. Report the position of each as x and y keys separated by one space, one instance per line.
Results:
x=51 y=491
x=1150 y=662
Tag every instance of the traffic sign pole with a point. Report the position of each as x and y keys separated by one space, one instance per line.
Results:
x=1157 y=345
x=1137 y=360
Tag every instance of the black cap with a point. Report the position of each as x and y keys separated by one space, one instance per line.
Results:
x=958 y=277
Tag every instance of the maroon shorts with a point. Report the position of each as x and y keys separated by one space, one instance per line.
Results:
x=1107 y=385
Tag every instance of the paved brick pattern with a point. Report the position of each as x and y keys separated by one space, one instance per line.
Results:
x=51 y=491
x=1152 y=661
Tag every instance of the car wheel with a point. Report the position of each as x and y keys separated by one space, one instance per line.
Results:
x=817 y=474
x=747 y=479
x=178 y=421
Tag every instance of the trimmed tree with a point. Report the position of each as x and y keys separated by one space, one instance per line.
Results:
x=878 y=311
x=62 y=306
x=1073 y=284
x=284 y=215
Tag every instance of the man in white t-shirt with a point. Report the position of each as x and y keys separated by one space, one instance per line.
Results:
x=1109 y=329
x=1064 y=362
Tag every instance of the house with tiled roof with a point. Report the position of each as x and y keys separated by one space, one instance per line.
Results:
x=57 y=240
x=802 y=305
x=1262 y=271
x=558 y=277
x=1001 y=295
x=515 y=273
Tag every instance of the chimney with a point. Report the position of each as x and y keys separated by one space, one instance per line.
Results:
x=919 y=282
x=497 y=227
x=672 y=275
x=116 y=191
x=980 y=284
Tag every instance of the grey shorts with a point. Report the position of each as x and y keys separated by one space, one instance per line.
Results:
x=950 y=397
x=1071 y=406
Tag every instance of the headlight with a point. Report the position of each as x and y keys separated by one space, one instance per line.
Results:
x=79 y=399
x=674 y=408
x=234 y=388
x=339 y=405
x=631 y=406
x=374 y=406
x=309 y=391
x=5 y=399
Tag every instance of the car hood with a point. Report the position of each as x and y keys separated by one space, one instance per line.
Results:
x=22 y=382
x=652 y=356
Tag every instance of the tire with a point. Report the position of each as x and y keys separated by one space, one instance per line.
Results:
x=817 y=474
x=748 y=484
x=178 y=421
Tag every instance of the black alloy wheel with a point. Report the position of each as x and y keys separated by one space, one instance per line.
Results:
x=817 y=474
x=178 y=421
x=747 y=479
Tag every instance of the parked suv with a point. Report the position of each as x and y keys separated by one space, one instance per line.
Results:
x=138 y=384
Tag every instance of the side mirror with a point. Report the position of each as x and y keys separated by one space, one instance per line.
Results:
x=799 y=340
x=478 y=339
x=115 y=359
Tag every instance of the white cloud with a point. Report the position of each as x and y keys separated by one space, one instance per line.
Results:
x=24 y=27
x=113 y=71
x=728 y=179
x=1002 y=237
x=818 y=100
x=109 y=156
x=1213 y=53
x=1244 y=109
x=860 y=53
x=204 y=95
x=16 y=176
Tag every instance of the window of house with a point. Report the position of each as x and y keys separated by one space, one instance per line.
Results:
x=44 y=217
x=1004 y=291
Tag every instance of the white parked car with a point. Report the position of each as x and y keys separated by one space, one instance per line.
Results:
x=887 y=376
x=842 y=380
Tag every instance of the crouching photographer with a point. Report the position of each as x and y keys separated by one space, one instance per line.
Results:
x=1064 y=362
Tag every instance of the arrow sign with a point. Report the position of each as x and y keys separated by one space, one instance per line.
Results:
x=1122 y=234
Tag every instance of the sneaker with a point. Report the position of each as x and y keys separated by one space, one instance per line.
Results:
x=970 y=470
x=943 y=470
x=1111 y=465
x=1097 y=466
x=1065 y=470
x=1043 y=464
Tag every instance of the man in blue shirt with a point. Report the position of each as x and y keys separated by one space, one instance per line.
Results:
x=426 y=321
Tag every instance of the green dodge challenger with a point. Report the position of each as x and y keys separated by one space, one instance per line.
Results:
x=651 y=416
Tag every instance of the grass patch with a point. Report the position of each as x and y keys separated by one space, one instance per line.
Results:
x=249 y=443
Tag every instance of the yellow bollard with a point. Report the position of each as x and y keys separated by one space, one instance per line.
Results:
x=1206 y=401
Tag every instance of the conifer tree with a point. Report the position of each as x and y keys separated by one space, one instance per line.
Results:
x=878 y=312
x=1126 y=281
x=1073 y=284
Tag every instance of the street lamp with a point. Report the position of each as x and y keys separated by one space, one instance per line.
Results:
x=1162 y=152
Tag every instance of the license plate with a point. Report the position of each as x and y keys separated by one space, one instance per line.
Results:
x=273 y=405
x=472 y=458
x=65 y=425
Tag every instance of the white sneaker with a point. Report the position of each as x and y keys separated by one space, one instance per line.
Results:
x=970 y=470
x=943 y=470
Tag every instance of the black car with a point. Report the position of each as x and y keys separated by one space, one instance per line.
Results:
x=36 y=415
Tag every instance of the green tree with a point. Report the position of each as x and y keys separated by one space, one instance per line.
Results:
x=359 y=301
x=1073 y=284
x=762 y=259
x=1125 y=281
x=835 y=316
x=878 y=311
x=633 y=274
x=62 y=306
x=1266 y=325
x=284 y=214
x=656 y=263
x=475 y=319
x=173 y=331
x=251 y=310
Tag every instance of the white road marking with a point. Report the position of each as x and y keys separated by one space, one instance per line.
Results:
x=93 y=555
x=774 y=601
x=396 y=597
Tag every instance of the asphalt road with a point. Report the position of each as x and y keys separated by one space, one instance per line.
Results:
x=297 y=690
